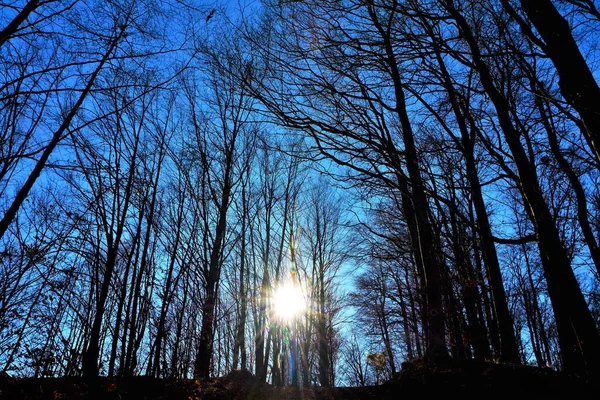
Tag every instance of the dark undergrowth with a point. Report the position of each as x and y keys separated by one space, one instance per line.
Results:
x=465 y=378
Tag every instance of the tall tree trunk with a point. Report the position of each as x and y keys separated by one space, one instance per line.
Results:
x=576 y=81
x=121 y=302
x=131 y=358
x=481 y=272
x=580 y=195
x=477 y=333
x=322 y=337
x=90 y=358
x=429 y=253
x=537 y=313
x=457 y=345
x=578 y=336
x=178 y=334
x=413 y=312
x=154 y=362
x=240 y=341
x=508 y=348
x=262 y=347
x=385 y=335
x=405 y=322
x=205 y=344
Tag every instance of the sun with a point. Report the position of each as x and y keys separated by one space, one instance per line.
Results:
x=288 y=301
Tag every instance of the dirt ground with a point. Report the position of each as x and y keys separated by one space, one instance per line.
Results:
x=468 y=378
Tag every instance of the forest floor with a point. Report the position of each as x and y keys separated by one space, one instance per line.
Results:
x=467 y=378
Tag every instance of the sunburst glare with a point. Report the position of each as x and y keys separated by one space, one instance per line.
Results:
x=288 y=301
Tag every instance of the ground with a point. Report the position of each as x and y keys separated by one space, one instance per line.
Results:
x=467 y=378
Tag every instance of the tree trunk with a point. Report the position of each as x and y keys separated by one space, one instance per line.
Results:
x=154 y=363
x=576 y=81
x=508 y=348
x=205 y=345
x=580 y=195
x=322 y=331
x=578 y=336
x=429 y=253
x=57 y=136
x=90 y=358
x=14 y=25
x=240 y=343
